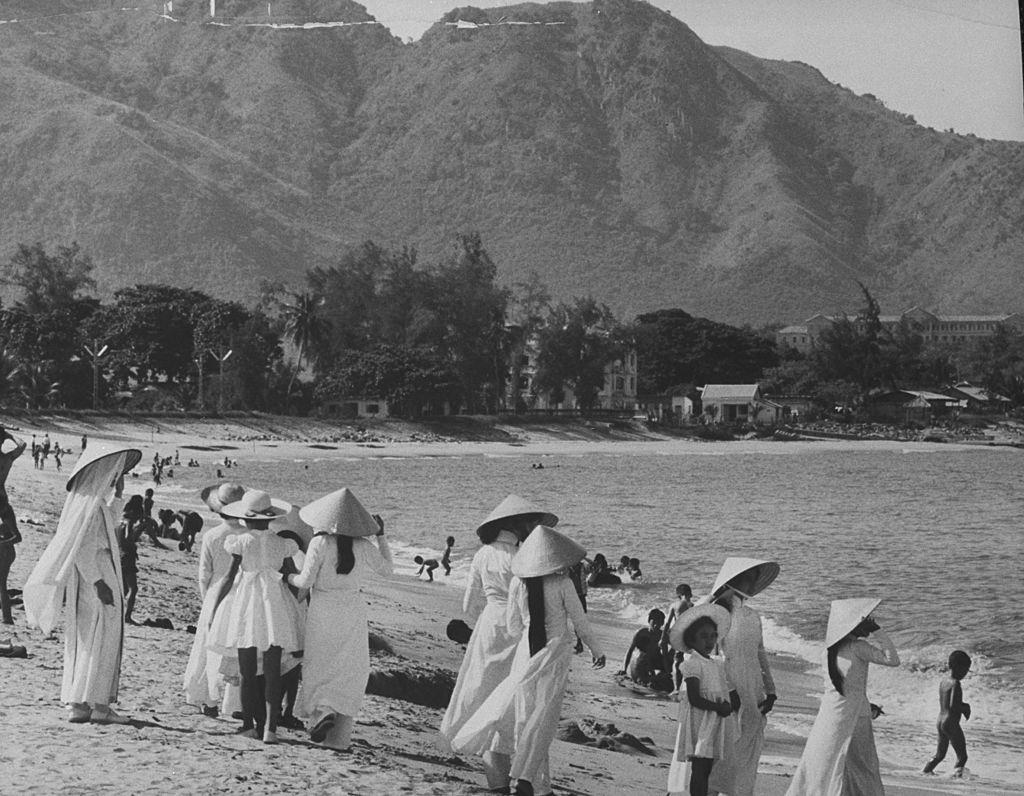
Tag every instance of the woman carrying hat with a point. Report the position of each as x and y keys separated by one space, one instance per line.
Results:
x=81 y=567
x=542 y=603
x=491 y=647
x=336 y=661
x=746 y=663
x=255 y=615
x=840 y=758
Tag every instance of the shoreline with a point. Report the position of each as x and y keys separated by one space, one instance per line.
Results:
x=171 y=743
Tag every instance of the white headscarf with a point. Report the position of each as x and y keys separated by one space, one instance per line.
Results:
x=86 y=505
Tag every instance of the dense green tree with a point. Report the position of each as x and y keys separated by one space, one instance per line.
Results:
x=674 y=348
x=409 y=379
x=574 y=347
x=48 y=281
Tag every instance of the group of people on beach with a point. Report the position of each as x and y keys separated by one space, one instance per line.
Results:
x=280 y=590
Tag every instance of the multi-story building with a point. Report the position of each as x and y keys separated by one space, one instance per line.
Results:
x=931 y=326
x=618 y=392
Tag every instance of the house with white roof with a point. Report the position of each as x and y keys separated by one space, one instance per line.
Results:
x=738 y=403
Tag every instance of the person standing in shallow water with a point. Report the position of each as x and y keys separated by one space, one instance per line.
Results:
x=746 y=663
x=839 y=758
x=492 y=647
x=81 y=567
x=336 y=660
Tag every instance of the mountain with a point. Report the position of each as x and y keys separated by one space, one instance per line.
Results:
x=603 y=145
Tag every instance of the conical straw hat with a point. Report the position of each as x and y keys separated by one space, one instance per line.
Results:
x=545 y=551
x=767 y=571
x=256 y=505
x=515 y=506
x=217 y=496
x=845 y=615
x=341 y=513
x=94 y=453
x=720 y=615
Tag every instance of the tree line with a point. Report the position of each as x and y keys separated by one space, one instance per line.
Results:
x=428 y=339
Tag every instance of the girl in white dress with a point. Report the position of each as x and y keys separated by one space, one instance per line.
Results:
x=336 y=659
x=840 y=758
x=491 y=647
x=545 y=610
x=255 y=613
x=706 y=731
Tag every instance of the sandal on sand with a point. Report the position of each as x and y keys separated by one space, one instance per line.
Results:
x=318 y=732
x=108 y=717
x=13 y=651
x=79 y=713
x=269 y=736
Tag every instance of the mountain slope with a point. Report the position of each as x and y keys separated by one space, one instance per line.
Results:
x=608 y=148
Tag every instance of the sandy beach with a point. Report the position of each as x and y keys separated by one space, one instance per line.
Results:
x=171 y=747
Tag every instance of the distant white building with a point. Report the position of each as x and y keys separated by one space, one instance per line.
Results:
x=618 y=392
x=738 y=403
x=931 y=326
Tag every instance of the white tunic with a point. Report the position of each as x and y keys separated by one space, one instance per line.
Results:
x=94 y=632
x=336 y=661
x=746 y=664
x=840 y=758
x=536 y=685
x=260 y=611
x=492 y=647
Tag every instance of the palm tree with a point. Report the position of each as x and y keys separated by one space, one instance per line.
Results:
x=304 y=327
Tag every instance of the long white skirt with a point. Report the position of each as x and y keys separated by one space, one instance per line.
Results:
x=336 y=661
x=93 y=638
x=487 y=664
x=533 y=692
x=203 y=682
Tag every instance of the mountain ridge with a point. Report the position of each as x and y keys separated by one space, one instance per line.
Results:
x=613 y=152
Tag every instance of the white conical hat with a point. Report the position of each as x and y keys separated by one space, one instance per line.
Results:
x=545 y=551
x=767 y=571
x=94 y=453
x=217 y=496
x=341 y=513
x=845 y=615
x=721 y=617
x=256 y=505
x=515 y=506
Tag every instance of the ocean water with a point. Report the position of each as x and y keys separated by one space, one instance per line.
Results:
x=933 y=530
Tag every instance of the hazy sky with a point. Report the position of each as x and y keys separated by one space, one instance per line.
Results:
x=950 y=63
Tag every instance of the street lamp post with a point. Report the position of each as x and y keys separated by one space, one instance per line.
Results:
x=96 y=353
x=199 y=366
x=222 y=358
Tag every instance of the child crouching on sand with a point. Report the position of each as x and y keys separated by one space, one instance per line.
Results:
x=951 y=708
x=706 y=722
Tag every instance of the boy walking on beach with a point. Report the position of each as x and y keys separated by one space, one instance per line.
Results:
x=951 y=708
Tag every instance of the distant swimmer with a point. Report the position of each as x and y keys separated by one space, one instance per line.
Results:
x=601 y=574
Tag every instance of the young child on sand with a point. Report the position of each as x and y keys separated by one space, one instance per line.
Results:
x=706 y=726
x=428 y=564
x=446 y=557
x=648 y=668
x=951 y=708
